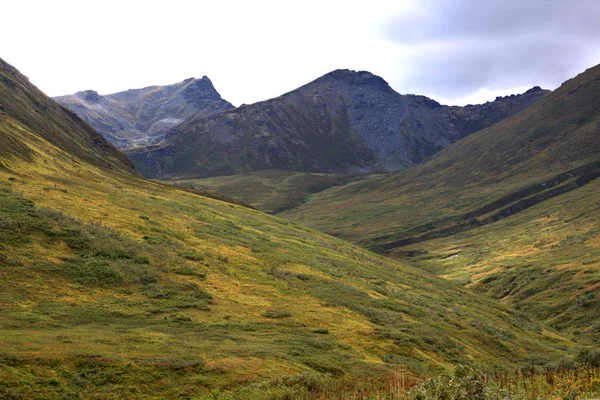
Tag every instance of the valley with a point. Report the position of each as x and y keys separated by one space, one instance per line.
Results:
x=110 y=281
x=510 y=210
x=289 y=251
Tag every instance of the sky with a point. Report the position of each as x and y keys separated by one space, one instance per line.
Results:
x=455 y=51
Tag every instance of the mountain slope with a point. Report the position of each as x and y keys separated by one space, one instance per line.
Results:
x=143 y=116
x=271 y=191
x=112 y=286
x=22 y=105
x=345 y=121
x=518 y=172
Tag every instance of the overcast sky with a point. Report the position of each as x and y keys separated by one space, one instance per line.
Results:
x=456 y=52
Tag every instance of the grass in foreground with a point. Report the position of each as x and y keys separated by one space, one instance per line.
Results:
x=93 y=377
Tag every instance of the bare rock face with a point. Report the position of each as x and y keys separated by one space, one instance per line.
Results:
x=472 y=118
x=143 y=116
x=344 y=121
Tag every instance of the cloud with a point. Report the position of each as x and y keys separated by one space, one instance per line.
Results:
x=452 y=50
x=456 y=48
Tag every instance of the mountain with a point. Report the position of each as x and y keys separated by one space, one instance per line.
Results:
x=112 y=286
x=345 y=121
x=143 y=116
x=512 y=209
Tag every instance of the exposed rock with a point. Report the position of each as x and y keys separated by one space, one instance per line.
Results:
x=344 y=121
x=143 y=116
x=90 y=96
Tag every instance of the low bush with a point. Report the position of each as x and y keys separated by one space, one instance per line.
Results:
x=273 y=313
x=463 y=384
x=192 y=255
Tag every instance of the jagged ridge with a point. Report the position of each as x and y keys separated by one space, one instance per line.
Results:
x=143 y=116
x=344 y=121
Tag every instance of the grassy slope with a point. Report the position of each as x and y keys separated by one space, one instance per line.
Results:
x=555 y=135
x=270 y=191
x=28 y=106
x=546 y=260
x=123 y=287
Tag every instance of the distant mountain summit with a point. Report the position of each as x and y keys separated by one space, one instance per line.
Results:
x=143 y=116
x=344 y=121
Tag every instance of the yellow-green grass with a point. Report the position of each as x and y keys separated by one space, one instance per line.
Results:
x=271 y=191
x=545 y=260
x=113 y=286
x=512 y=210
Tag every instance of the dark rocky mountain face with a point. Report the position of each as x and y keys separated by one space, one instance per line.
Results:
x=472 y=118
x=143 y=116
x=345 y=121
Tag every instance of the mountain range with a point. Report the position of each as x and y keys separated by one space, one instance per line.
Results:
x=345 y=121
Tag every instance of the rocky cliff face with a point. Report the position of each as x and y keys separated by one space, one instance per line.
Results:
x=345 y=121
x=143 y=116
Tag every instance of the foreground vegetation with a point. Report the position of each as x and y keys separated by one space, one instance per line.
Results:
x=219 y=294
x=94 y=377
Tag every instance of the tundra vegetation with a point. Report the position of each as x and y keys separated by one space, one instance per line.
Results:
x=112 y=286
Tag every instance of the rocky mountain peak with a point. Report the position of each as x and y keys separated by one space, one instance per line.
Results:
x=538 y=91
x=200 y=90
x=90 y=96
x=534 y=89
x=143 y=116
x=358 y=78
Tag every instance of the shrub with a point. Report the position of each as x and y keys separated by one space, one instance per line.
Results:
x=587 y=356
x=92 y=272
x=273 y=313
x=463 y=384
x=192 y=255
x=178 y=296
x=586 y=300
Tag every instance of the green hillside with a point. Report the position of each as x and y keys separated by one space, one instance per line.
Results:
x=272 y=190
x=512 y=209
x=115 y=287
